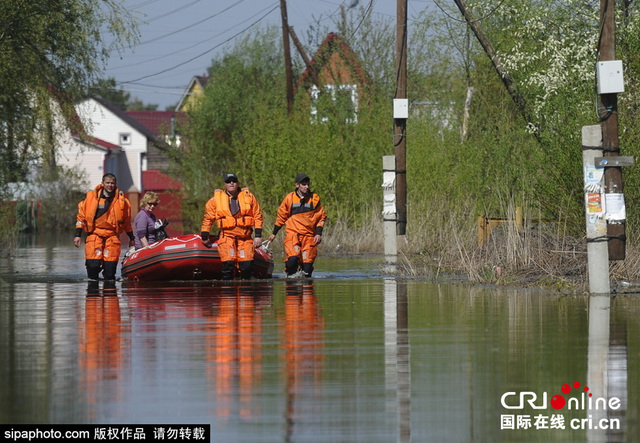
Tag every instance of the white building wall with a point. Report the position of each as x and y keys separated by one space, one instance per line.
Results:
x=87 y=158
x=101 y=123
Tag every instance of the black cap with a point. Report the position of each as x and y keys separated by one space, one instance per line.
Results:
x=230 y=177
x=302 y=177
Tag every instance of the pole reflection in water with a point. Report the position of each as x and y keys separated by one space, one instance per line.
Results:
x=607 y=372
x=303 y=333
x=618 y=376
x=598 y=357
x=397 y=355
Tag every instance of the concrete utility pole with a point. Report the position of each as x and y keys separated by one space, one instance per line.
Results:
x=287 y=55
x=400 y=124
x=610 y=141
x=597 y=249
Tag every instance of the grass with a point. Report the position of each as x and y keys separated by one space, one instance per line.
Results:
x=446 y=245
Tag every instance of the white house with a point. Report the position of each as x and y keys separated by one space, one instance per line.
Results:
x=111 y=128
x=91 y=155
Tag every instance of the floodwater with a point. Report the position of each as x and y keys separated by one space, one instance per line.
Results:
x=350 y=356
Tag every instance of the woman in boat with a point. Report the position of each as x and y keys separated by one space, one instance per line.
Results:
x=145 y=223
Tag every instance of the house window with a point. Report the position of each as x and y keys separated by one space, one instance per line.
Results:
x=125 y=138
x=335 y=100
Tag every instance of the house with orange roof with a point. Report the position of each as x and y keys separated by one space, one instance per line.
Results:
x=334 y=81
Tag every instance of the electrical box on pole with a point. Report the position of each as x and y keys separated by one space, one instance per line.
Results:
x=401 y=108
x=610 y=77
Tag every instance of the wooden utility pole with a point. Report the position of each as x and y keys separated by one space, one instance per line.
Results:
x=609 y=117
x=493 y=55
x=400 y=124
x=305 y=58
x=287 y=55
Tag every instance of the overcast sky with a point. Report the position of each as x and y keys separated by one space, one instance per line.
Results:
x=179 y=38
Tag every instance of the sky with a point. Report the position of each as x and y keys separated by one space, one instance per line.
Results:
x=180 y=38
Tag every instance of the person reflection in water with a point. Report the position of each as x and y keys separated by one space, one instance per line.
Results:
x=102 y=353
x=109 y=288
x=303 y=326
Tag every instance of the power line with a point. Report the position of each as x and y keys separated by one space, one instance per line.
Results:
x=192 y=25
x=364 y=16
x=189 y=47
x=182 y=7
x=204 y=53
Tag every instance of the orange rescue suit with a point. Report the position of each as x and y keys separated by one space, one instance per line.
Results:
x=304 y=219
x=235 y=229
x=103 y=240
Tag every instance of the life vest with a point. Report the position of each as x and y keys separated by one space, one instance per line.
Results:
x=299 y=206
x=117 y=218
x=302 y=216
x=225 y=219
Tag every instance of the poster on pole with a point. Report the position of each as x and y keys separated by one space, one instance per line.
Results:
x=614 y=203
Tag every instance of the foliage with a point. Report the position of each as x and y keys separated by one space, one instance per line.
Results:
x=106 y=88
x=242 y=125
x=138 y=105
x=549 y=49
x=49 y=49
x=247 y=77
x=60 y=198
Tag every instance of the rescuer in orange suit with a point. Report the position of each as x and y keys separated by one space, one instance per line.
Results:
x=104 y=214
x=302 y=212
x=236 y=213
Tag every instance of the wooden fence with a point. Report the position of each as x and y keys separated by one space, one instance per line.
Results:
x=488 y=224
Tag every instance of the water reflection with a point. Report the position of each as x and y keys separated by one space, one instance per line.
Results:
x=330 y=359
x=233 y=348
x=97 y=288
x=397 y=355
x=302 y=329
x=102 y=351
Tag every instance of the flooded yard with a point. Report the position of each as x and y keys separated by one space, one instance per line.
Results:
x=351 y=355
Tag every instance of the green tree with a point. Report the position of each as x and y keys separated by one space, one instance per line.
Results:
x=107 y=89
x=50 y=49
x=52 y=52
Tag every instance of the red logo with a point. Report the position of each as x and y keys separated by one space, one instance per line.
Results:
x=558 y=401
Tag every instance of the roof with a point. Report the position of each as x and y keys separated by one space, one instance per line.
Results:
x=127 y=119
x=158 y=122
x=200 y=80
x=97 y=142
x=154 y=180
x=333 y=43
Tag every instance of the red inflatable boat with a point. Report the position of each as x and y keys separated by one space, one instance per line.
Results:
x=185 y=258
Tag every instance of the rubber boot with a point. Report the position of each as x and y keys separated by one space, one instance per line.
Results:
x=93 y=268
x=307 y=268
x=228 y=268
x=109 y=270
x=93 y=288
x=109 y=288
x=245 y=269
x=291 y=265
